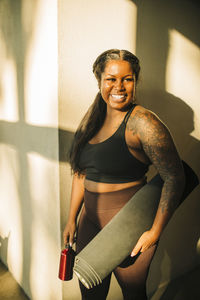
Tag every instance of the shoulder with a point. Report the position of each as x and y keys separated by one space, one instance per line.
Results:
x=146 y=124
x=141 y=116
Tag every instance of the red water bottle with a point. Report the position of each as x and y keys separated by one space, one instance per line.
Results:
x=66 y=263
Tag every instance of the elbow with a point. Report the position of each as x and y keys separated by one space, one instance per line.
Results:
x=176 y=183
x=177 y=179
x=181 y=188
x=180 y=182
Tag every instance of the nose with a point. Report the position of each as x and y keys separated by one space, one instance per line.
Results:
x=119 y=85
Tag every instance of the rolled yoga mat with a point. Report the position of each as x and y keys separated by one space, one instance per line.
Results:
x=115 y=241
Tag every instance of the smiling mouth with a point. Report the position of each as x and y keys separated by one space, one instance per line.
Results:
x=118 y=97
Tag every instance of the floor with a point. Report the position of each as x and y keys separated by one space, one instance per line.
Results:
x=186 y=287
x=9 y=289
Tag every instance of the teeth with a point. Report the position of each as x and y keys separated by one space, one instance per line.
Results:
x=118 y=96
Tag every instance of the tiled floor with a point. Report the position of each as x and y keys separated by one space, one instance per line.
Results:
x=186 y=287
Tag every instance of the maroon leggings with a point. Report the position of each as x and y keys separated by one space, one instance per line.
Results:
x=98 y=210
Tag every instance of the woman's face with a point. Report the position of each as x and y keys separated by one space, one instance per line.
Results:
x=117 y=84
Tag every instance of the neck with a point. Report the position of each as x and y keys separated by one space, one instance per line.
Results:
x=114 y=113
x=114 y=116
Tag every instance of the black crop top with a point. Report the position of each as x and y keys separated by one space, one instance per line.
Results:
x=110 y=161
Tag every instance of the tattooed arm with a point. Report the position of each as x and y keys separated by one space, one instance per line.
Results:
x=159 y=147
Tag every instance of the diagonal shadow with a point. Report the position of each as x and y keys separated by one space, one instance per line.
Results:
x=21 y=136
x=154 y=20
x=16 y=40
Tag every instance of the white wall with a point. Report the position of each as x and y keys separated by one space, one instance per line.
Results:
x=85 y=29
x=29 y=167
x=164 y=35
x=34 y=187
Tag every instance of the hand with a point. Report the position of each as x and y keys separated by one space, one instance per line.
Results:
x=69 y=232
x=147 y=239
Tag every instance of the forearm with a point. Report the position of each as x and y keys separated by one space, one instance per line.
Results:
x=170 y=197
x=77 y=194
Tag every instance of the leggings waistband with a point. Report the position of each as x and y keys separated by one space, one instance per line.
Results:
x=109 y=200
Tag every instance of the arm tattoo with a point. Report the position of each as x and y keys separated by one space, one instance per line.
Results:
x=158 y=145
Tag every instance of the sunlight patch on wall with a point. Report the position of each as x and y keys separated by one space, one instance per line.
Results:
x=43 y=177
x=10 y=212
x=45 y=227
x=86 y=29
x=183 y=74
x=8 y=95
x=42 y=276
x=41 y=68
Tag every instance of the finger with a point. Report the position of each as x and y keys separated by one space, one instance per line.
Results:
x=71 y=238
x=145 y=247
x=66 y=238
x=136 y=249
x=71 y=241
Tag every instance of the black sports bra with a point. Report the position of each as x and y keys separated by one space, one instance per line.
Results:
x=110 y=161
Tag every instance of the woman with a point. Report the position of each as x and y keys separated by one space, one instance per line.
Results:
x=113 y=147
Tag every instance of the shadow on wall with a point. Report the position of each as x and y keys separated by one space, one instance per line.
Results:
x=154 y=20
x=16 y=34
x=65 y=141
x=4 y=248
x=16 y=40
x=179 y=118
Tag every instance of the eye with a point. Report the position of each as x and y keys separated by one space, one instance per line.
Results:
x=129 y=79
x=111 y=79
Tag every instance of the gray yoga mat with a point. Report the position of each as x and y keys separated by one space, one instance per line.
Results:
x=115 y=241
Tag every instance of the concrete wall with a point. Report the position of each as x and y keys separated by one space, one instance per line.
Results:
x=164 y=35
x=29 y=167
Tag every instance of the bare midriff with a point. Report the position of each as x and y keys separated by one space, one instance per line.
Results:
x=101 y=187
